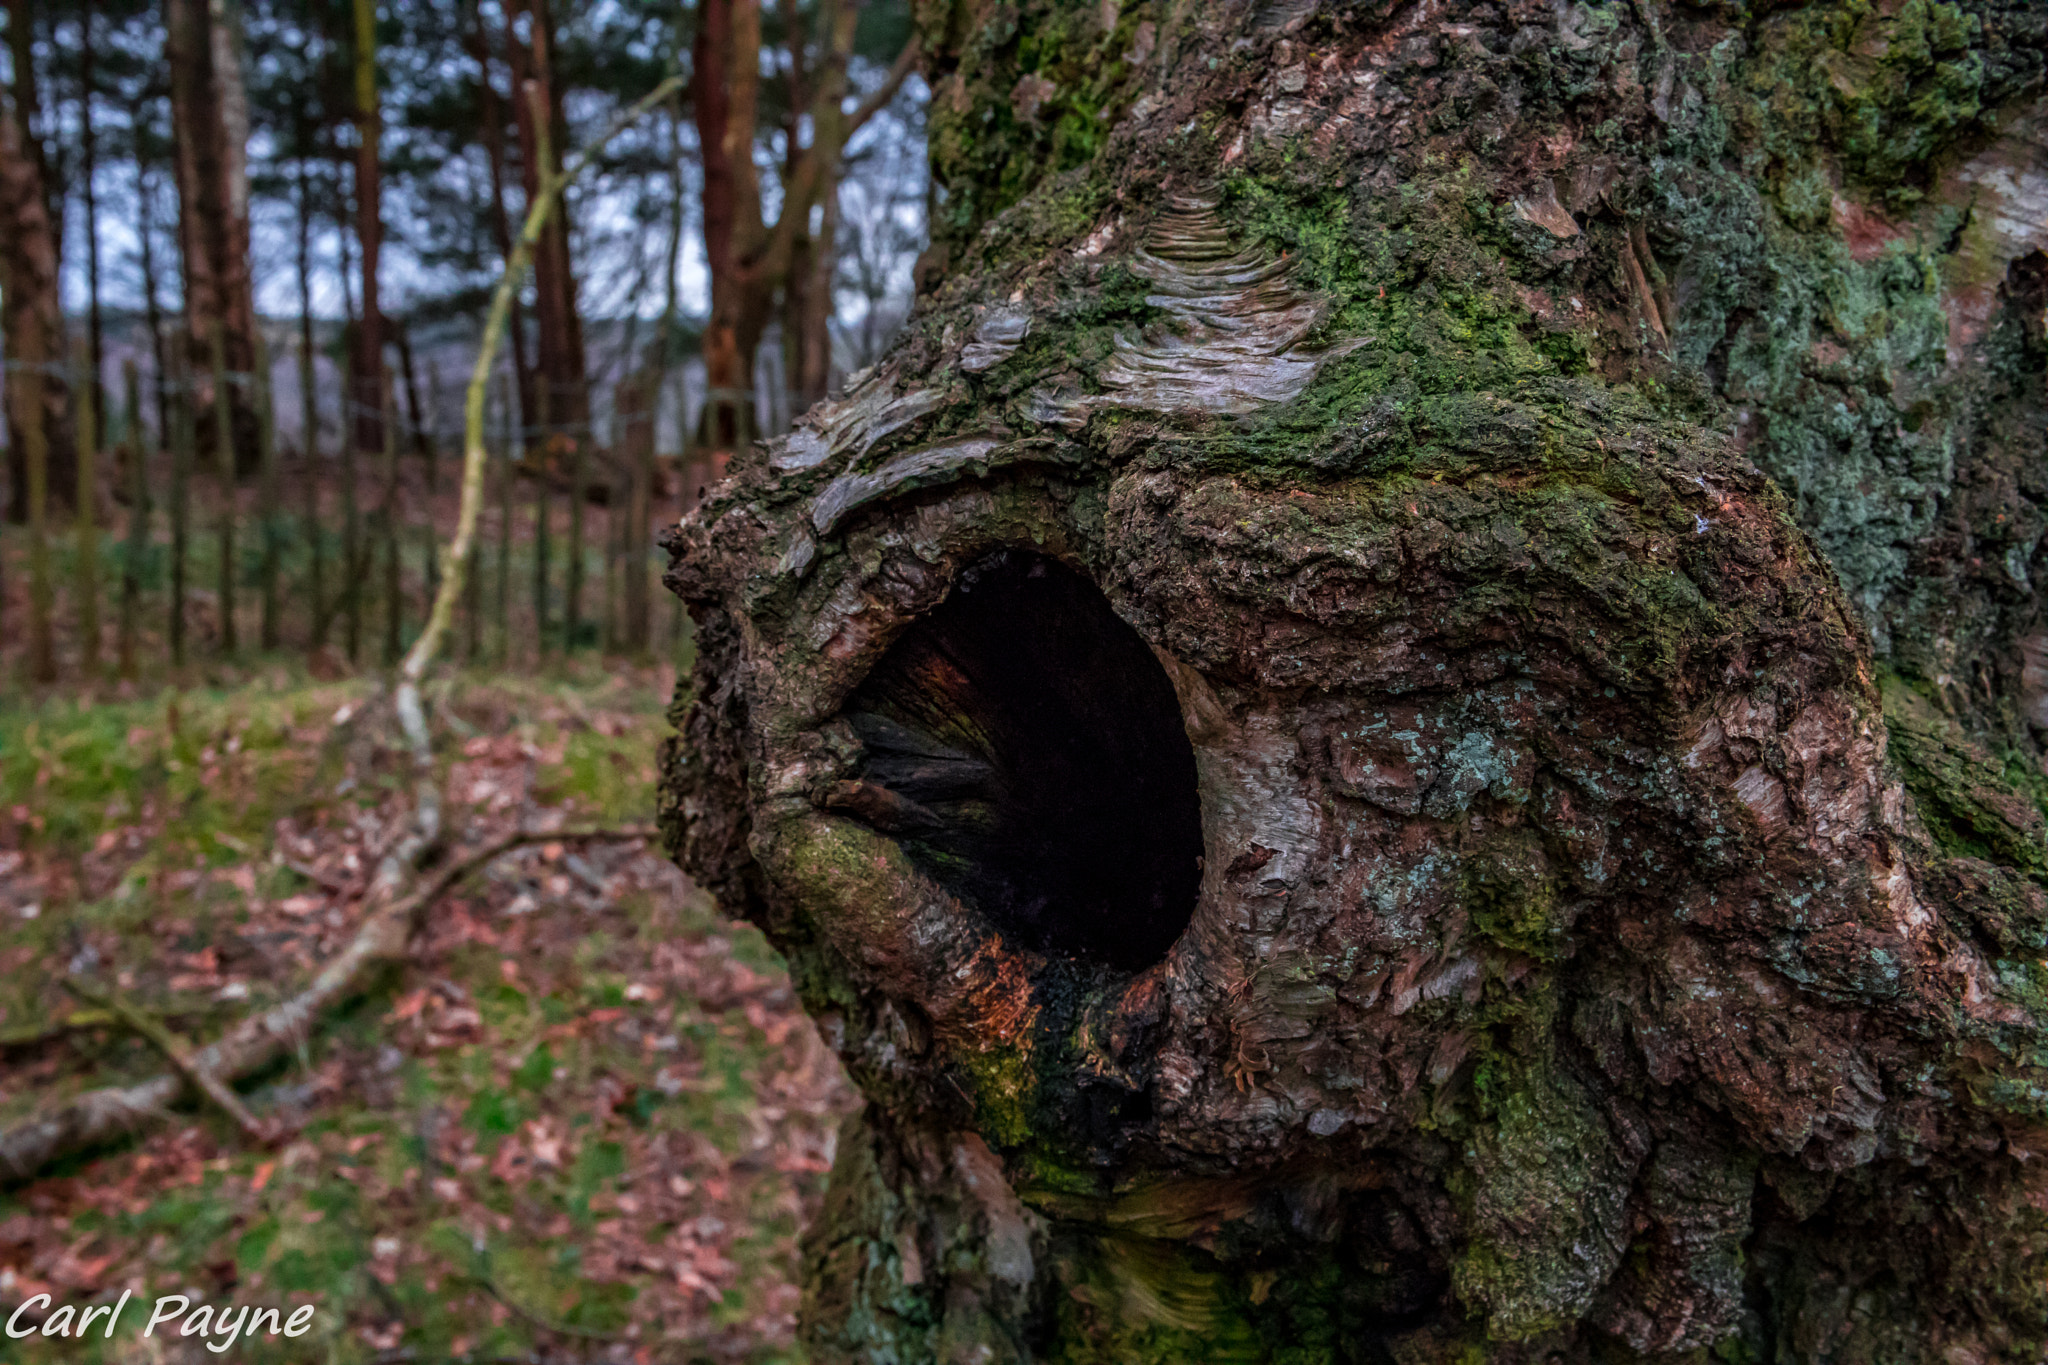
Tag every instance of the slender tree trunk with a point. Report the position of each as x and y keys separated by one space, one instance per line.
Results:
x=42 y=653
x=369 y=330
x=559 y=360
x=344 y=224
x=138 y=516
x=502 y=601
x=273 y=549
x=473 y=591
x=352 y=556
x=1392 y=732
x=572 y=587
x=390 y=517
x=637 y=413
x=492 y=121
x=86 y=544
x=183 y=442
x=537 y=468
x=210 y=129
x=315 y=532
x=88 y=137
x=224 y=477
x=152 y=307
x=423 y=446
x=431 y=448
x=640 y=630
x=811 y=344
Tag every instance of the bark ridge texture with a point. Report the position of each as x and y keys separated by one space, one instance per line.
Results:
x=1578 y=469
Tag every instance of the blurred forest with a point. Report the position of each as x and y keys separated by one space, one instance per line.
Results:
x=257 y=240
x=247 y=248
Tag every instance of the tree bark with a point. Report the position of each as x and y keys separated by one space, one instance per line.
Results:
x=367 y=421
x=210 y=131
x=558 y=326
x=726 y=70
x=88 y=138
x=31 y=317
x=1408 y=722
x=491 y=120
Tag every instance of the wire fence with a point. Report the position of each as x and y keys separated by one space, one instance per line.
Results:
x=195 y=548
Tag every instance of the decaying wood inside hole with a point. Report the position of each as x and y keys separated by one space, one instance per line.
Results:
x=1027 y=748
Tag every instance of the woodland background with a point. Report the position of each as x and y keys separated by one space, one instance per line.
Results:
x=245 y=254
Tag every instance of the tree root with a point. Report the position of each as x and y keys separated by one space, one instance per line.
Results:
x=102 y=1115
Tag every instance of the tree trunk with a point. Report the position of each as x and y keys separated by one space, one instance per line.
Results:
x=367 y=421
x=636 y=405
x=88 y=138
x=1408 y=722
x=313 y=529
x=491 y=120
x=152 y=299
x=210 y=131
x=31 y=317
x=726 y=64
x=559 y=356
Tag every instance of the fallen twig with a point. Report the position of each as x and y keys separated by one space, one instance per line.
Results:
x=42 y=1035
x=179 y=1056
x=545 y=1323
x=102 y=1115
x=326 y=881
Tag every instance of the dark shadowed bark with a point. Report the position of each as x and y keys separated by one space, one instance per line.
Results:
x=1407 y=725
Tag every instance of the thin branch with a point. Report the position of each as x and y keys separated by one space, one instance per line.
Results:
x=325 y=880
x=178 y=1054
x=878 y=99
x=483 y=1278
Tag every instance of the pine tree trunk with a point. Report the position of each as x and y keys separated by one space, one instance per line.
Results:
x=491 y=123
x=210 y=128
x=558 y=325
x=31 y=316
x=366 y=423
x=1407 y=725
x=727 y=59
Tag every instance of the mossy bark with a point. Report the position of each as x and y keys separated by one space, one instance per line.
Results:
x=1577 y=468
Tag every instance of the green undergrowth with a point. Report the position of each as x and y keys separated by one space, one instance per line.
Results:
x=578 y=1121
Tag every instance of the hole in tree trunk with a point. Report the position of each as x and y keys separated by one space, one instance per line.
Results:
x=1026 y=749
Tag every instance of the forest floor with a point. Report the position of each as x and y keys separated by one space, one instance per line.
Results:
x=585 y=1123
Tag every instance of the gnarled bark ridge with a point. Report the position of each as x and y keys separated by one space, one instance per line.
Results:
x=1407 y=725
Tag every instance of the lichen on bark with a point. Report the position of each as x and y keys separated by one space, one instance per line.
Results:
x=1573 y=466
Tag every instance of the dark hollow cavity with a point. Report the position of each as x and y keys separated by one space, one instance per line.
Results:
x=1026 y=749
